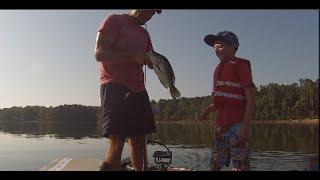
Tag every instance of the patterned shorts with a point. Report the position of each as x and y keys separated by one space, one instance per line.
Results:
x=227 y=146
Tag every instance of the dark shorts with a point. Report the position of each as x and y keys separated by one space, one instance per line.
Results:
x=125 y=112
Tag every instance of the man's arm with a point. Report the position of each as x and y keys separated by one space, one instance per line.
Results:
x=149 y=48
x=105 y=52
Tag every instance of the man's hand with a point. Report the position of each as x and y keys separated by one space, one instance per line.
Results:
x=143 y=59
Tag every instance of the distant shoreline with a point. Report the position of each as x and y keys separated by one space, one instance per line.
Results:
x=300 y=121
x=291 y=121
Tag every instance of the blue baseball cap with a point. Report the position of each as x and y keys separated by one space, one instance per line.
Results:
x=225 y=36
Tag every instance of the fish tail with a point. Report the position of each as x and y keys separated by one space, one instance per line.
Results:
x=175 y=93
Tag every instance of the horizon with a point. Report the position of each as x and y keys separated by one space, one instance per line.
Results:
x=258 y=87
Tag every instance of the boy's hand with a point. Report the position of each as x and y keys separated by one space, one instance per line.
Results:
x=244 y=133
x=203 y=115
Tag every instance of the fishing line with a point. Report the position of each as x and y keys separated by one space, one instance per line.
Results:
x=193 y=168
x=145 y=66
x=145 y=152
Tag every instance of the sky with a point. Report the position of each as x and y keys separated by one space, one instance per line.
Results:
x=47 y=56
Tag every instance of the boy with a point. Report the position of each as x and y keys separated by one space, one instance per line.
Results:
x=232 y=99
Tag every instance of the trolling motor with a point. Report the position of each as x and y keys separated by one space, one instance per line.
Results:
x=162 y=159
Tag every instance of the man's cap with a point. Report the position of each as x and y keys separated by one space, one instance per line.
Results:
x=158 y=11
x=225 y=36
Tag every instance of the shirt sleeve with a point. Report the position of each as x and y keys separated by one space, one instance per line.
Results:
x=245 y=75
x=110 y=25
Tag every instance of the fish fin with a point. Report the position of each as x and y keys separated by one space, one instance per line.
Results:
x=156 y=67
x=175 y=93
x=164 y=84
x=173 y=78
x=159 y=70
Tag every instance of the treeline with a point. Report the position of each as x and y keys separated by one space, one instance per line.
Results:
x=64 y=113
x=294 y=101
x=272 y=102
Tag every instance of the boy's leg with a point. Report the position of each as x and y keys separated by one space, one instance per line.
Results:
x=220 y=153
x=240 y=151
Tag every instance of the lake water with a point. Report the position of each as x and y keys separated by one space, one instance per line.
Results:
x=275 y=147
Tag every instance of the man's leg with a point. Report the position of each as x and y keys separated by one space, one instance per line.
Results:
x=137 y=151
x=113 y=156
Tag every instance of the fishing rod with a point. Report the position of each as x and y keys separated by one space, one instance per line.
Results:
x=145 y=153
x=145 y=66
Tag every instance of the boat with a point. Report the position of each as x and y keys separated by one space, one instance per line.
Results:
x=162 y=162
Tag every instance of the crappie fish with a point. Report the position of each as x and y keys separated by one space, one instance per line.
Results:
x=164 y=71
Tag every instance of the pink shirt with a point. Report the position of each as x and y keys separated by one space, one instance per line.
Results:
x=227 y=115
x=130 y=38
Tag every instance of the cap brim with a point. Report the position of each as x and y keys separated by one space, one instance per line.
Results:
x=209 y=39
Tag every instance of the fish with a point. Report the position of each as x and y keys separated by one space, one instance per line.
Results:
x=164 y=71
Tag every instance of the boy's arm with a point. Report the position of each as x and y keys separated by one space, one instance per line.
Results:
x=244 y=133
x=211 y=108
x=249 y=105
x=204 y=114
x=245 y=76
